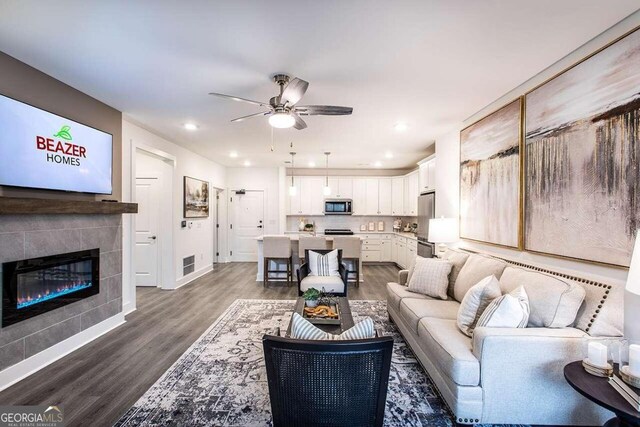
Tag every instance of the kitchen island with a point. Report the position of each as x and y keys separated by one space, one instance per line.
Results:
x=295 y=237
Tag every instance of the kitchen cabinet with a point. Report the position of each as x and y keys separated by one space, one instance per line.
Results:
x=394 y=249
x=385 y=200
x=427 y=176
x=397 y=195
x=385 y=250
x=371 y=196
x=411 y=193
x=359 y=196
x=402 y=253
x=341 y=188
x=308 y=198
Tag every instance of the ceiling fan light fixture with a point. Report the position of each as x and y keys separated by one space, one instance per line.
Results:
x=281 y=120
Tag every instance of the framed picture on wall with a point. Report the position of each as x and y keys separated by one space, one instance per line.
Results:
x=490 y=178
x=582 y=156
x=196 y=198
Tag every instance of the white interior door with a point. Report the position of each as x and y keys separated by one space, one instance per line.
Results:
x=146 y=251
x=247 y=225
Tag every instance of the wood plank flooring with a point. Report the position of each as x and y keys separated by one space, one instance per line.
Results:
x=99 y=382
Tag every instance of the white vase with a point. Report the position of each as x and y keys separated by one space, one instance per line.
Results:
x=301 y=225
x=311 y=303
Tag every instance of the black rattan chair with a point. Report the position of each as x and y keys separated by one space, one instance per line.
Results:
x=304 y=271
x=327 y=383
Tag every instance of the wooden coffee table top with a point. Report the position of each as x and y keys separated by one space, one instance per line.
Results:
x=346 y=320
x=599 y=390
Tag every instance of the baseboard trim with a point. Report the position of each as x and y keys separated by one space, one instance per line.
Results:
x=193 y=276
x=33 y=364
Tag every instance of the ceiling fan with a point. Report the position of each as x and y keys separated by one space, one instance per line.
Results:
x=283 y=110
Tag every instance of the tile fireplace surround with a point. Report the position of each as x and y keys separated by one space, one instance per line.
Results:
x=29 y=236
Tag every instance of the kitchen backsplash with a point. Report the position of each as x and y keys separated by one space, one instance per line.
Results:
x=353 y=223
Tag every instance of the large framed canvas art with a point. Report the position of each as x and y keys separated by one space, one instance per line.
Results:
x=196 y=198
x=582 y=158
x=490 y=178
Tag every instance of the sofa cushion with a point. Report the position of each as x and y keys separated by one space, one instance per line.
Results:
x=412 y=310
x=430 y=277
x=509 y=311
x=600 y=314
x=332 y=284
x=554 y=301
x=475 y=302
x=396 y=292
x=475 y=269
x=457 y=260
x=449 y=349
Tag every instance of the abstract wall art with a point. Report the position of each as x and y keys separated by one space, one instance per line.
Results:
x=490 y=178
x=196 y=198
x=582 y=158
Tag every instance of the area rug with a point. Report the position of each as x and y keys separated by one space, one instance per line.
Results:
x=221 y=379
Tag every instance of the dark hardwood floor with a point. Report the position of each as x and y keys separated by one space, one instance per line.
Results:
x=99 y=382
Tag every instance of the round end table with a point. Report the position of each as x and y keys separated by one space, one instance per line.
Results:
x=599 y=391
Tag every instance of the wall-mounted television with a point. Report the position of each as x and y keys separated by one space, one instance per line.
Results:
x=42 y=150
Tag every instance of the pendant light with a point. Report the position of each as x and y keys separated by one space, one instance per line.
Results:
x=292 y=188
x=327 y=190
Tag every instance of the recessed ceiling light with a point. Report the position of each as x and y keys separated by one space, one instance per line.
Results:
x=312 y=164
x=388 y=155
x=233 y=154
x=190 y=126
x=247 y=163
x=400 y=127
x=377 y=164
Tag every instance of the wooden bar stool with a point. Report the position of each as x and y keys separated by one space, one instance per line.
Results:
x=310 y=242
x=278 y=250
x=351 y=249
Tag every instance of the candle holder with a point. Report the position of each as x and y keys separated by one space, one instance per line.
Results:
x=605 y=352
x=626 y=376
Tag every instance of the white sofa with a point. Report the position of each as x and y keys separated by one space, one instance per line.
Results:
x=507 y=376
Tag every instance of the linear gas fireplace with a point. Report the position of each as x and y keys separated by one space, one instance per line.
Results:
x=35 y=286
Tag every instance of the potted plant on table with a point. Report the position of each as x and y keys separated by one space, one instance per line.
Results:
x=311 y=296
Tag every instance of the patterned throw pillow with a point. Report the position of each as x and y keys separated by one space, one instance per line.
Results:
x=430 y=277
x=508 y=311
x=323 y=265
x=475 y=303
x=302 y=329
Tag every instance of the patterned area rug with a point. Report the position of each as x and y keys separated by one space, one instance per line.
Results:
x=221 y=379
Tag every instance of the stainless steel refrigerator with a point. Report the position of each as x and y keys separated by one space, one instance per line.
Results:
x=426 y=211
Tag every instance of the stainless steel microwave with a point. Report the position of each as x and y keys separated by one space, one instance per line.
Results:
x=338 y=207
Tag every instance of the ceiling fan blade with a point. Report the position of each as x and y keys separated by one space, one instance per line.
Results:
x=323 y=110
x=237 y=98
x=262 y=113
x=294 y=91
x=299 y=124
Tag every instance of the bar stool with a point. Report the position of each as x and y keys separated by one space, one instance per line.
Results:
x=277 y=249
x=310 y=242
x=351 y=249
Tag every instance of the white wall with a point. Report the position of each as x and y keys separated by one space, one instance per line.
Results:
x=265 y=179
x=196 y=241
x=448 y=149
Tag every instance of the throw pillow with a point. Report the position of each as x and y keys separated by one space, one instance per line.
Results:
x=323 y=265
x=302 y=329
x=430 y=277
x=475 y=303
x=508 y=311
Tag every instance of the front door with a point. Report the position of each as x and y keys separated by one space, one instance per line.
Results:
x=247 y=225
x=146 y=252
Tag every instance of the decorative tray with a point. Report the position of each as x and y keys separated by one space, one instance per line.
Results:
x=327 y=314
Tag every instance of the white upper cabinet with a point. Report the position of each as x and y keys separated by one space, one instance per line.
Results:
x=427 y=176
x=341 y=188
x=411 y=193
x=397 y=196
x=359 y=196
x=308 y=199
x=385 y=196
x=371 y=196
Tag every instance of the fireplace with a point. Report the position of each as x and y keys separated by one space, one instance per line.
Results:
x=35 y=286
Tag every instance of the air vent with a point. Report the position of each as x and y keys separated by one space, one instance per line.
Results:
x=188 y=265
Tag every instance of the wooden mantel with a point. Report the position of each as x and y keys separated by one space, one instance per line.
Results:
x=30 y=206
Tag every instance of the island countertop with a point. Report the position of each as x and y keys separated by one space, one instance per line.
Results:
x=296 y=237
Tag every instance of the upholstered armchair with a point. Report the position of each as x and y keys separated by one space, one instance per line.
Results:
x=336 y=285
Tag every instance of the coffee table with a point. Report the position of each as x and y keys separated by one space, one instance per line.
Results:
x=346 y=320
x=599 y=390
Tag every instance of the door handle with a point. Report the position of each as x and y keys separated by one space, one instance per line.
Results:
x=152 y=237
x=259 y=226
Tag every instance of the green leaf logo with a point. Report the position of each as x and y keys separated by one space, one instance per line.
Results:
x=64 y=133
